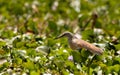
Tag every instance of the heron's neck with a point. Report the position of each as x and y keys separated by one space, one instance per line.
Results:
x=71 y=37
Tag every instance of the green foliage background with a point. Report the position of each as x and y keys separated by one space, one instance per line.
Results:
x=28 y=29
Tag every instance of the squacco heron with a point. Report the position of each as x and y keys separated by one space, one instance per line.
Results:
x=76 y=43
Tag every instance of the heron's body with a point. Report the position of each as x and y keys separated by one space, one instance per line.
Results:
x=76 y=43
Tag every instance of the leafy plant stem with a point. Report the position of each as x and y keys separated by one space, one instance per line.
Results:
x=89 y=63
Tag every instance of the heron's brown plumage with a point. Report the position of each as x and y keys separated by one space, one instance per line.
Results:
x=84 y=44
x=76 y=43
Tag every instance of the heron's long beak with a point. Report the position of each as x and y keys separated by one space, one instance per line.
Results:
x=59 y=36
x=67 y=34
x=56 y=38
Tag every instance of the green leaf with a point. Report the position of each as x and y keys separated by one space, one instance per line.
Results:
x=29 y=65
x=116 y=68
x=59 y=64
x=7 y=34
x=88 y=35
x=52 y=26
x=34 y=73
x=2 y=43
x=3 y=66
x=116 y=60
x=31 y=45
x=117 y=46
x=32 y=26
x=76 y=56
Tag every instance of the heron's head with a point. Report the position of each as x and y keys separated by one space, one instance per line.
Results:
x=67 y=34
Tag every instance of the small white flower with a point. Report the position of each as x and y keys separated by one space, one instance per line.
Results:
x=65 y=51
x=70 y=58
